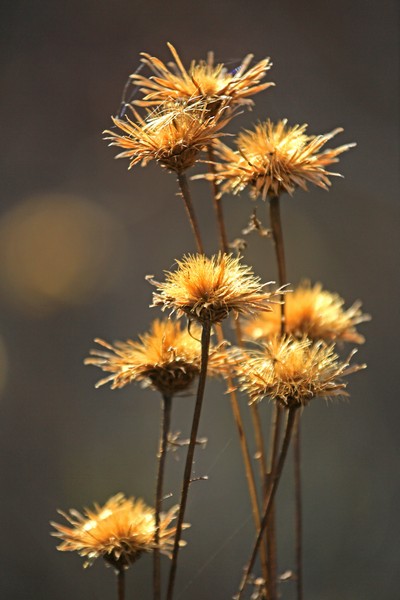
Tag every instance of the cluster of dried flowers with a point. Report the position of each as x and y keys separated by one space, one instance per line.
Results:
x=184 y=113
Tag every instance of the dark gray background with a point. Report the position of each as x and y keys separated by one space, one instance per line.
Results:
x=78 y=233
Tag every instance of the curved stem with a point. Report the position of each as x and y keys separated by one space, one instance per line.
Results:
x=298 y=513
x=277 y=234
x=121 y=584
x=205 y=345
x=272 y=491
x=184 y=188
x=165 y=427
x=217 y=201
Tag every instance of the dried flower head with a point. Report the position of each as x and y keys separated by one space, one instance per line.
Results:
x=166 y=358
x=207 y=289
x=276 y=158
x=205 y=80
x=173 y=135
x=120 y=531
x=312 y=312
x=292 y=372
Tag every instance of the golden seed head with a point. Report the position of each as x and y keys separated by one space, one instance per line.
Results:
x=312 y=312
x=276 y=158
x=120 y=531
x=292 y=372
x=207 y=289
x=173 y=135
x=205 y=80
x=166 y=358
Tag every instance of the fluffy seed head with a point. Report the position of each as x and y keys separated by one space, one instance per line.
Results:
x=292 y=372
x=276 y=158
x=166 y=358
x=173 y=135
x=120 y=531
x=207 y=289
x=313 y=312
x=205 y=80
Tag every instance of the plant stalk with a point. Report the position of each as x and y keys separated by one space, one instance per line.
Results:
x=271 y=494
x=205 y=345
x=298 y=512
x=277 y=236
x=165 y=427
x=187 y=199
x=121 y=584
x=223 y=238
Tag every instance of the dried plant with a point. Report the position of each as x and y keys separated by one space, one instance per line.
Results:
x=275 y=158
x=292 y=372
x=183 y=112
x=209 y=289
x=119 y=531
x=313 y=312
x=210 y=82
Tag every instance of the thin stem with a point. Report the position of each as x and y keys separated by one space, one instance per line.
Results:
x=251 y=483
x=277 y=234
x=272 y=491
x=223 y=239
x=298 y=512
x=271 y=526
x=165 y=427
x=205 y=345
x=280 y=256
x=121 y=584
x=184 y=187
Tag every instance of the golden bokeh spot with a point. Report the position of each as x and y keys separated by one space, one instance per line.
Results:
x=57 y=250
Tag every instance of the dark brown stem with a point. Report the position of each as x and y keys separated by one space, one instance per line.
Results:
x=277 y=234
x=184 y=187
x=271 y=494
x=162 y=455
x=217 y=201
x=205 y=345
x=121 y=584
x=298 y=511
x=271 y=526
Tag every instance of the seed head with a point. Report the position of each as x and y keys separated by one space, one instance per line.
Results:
x=312 y=312
x=120 y=531
x=173 y=135
x=205 y=80
x=292 y=372
x=166 y=358
x=207 y=289
x=275 y=158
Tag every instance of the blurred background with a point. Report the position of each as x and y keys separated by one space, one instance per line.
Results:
x=78 y=234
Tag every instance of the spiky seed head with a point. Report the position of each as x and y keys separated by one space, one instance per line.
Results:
x=292 y=372
x=119 y=531
x=166 y=358
x=173 y=135
x=275 y=158
x=210 y=82
x=313 y=312
x=208 y=289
